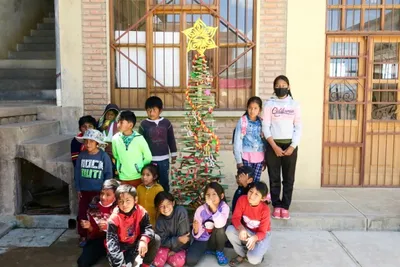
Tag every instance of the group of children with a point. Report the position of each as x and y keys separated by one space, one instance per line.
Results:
x=118 y=217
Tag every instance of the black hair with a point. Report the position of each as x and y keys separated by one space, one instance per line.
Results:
x=153 y=102
x=218 y=189
x=161 y=196
x=87 y=119
x=253 y=99
x=125 y=188
x=286 y=80
x=246 y=170
x=128 y=116
x=153 y=169
x=260 y=187
x=110 y=184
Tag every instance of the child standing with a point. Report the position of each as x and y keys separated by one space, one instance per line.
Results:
x=130 y=150
x=85 y=122
x=209 y=226
x=96 y=225
x=250 y=230
x=244 y=178
x=248 y=146
x=159 y=134
x=174 y=230
x=148 y=190
x=108 y=125
x=282 y=129
x=92 y=168
x=129 y=231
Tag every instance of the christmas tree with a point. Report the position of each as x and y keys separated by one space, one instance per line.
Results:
x=197 y=162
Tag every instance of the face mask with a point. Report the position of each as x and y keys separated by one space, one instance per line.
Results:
x=281 y=92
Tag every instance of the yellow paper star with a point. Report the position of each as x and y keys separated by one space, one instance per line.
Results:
x=200 y=37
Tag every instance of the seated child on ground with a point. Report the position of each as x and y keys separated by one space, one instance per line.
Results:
x=85 y=122
x=244 y=177
x=129 y=232
x=99 y=211
x=92 y=168
x=174 y=230
x=251 y=226
x=148 y=190
x=209 y=226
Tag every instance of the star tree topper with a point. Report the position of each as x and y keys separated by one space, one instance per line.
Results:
x=200 y=37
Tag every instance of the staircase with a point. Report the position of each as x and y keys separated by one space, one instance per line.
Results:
x=27 y=133
x=29 y=73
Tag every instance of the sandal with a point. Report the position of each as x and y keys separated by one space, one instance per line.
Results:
x=221 y=258
x=236 y=262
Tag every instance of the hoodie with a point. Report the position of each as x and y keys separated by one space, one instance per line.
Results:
x=108 y=128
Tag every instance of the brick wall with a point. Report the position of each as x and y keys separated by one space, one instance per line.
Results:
x=272 y=49
x=95 y=85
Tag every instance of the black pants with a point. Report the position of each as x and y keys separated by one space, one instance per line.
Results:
x=130 y=254
x=288 y=166
x=198 y=248
x=92 y=252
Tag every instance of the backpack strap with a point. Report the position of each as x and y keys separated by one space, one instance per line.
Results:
x=244 y=126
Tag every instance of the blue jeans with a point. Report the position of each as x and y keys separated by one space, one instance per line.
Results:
x=163 y=169
x=254 y=256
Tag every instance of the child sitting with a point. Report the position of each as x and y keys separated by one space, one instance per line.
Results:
x=159 y=134
x=99 y=211
x=129 y=231
x=130 y=150
x=245 y=176
x=92 y=168
x=250 y=230
x=209 y=226
x=108 y=125
x=148 y=190
x=85 y=122
x=174 y=230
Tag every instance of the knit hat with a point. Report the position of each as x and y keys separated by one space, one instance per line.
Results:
x=92 y=134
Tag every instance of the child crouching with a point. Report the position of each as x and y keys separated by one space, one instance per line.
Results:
x=129 y=232
x=96 y=225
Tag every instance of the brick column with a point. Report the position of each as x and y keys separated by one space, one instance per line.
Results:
x=94 y=39
x=272 y=49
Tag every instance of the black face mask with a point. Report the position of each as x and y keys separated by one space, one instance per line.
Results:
x=281 y=92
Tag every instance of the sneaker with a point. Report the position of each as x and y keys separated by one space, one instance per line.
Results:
x=285 y=214
x=222 y=260
x=277 y=213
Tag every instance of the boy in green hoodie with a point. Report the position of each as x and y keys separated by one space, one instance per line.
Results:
x=130 y=150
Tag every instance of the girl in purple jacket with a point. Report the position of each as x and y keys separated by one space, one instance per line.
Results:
x=209 y=226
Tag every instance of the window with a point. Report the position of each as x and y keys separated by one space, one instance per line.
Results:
x=149 y=57
x=363 y=15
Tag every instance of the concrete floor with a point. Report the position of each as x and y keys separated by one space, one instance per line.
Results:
x=288 y=249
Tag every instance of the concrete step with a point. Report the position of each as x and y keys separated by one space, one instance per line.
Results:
x=31 y=55
x=46 y=26
x=46 y=96
x=44 y=148
x=39 y=40
x=13 y=134
x=27 y=64
x=49 y=20
x=27 y=74
x=36 y=47
x=61 y=167
x=26 y=84
x=43 y=33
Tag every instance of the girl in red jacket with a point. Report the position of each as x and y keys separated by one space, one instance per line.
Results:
x=250 y=231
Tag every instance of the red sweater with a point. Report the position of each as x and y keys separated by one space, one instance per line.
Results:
x=256 y=219
x=96 y=213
